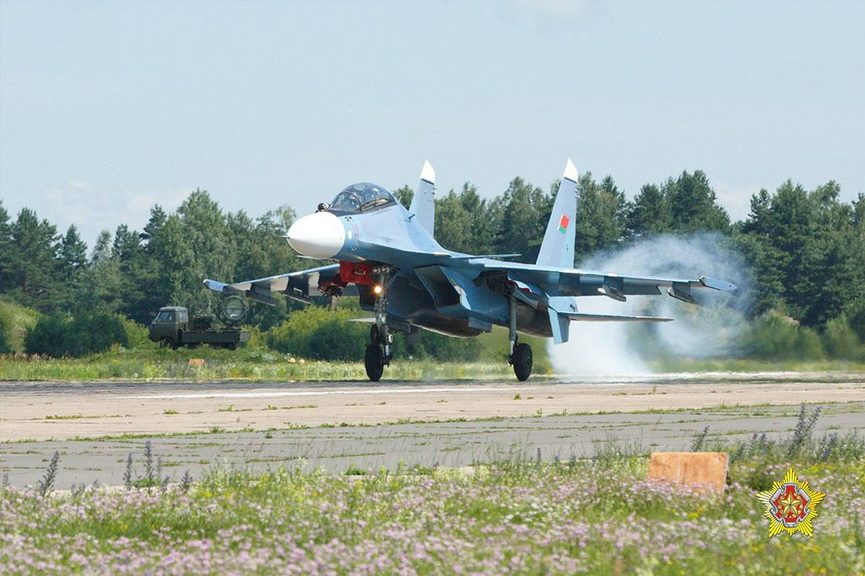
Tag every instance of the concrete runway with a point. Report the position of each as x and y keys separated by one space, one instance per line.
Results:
x=256 y=426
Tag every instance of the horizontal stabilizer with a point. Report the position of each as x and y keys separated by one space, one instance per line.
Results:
x=610 y=318
x=473 y=256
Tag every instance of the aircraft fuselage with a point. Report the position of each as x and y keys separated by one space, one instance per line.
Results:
x=420 y=292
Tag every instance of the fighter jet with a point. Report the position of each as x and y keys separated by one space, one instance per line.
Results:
x=389 y=257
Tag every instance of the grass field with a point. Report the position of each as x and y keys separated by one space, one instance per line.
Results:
x=255 y=364
x=598 y=516
x=262 y=364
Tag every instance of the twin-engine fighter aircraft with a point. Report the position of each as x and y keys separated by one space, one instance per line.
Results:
x=389 y=257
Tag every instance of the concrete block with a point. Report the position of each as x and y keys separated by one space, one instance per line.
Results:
x=697 y=469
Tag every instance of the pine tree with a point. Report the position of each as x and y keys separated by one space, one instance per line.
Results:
x=32 y=265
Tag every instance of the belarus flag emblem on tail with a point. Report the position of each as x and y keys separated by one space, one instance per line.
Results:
x=563 y=224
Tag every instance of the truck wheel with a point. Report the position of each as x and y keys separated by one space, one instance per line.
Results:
x=166 y=343
x=231 y=345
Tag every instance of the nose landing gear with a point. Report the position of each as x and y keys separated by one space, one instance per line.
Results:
x=378 y=351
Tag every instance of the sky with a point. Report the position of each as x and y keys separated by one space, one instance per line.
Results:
x=108 y=108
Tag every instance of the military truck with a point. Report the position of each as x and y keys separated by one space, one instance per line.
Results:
x=173 y=329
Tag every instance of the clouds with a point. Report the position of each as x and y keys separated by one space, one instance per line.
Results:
x=93 y=209
x=736 y=199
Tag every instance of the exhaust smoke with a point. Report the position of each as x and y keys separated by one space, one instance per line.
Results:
x=624 y=348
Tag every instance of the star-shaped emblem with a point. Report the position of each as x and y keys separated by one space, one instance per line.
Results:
x=790 y=506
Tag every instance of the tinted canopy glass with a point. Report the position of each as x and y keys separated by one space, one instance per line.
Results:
x=361 y=198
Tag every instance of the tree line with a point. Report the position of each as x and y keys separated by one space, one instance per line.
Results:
x=806 y=248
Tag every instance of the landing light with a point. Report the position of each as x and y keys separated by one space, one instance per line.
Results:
x=377 y=289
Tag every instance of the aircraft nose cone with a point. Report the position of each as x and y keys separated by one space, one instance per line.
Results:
x=319 y=235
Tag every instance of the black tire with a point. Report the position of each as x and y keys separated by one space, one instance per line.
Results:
x=168 y=343
x=523 y=362
x=373 y=362
x=374 y=335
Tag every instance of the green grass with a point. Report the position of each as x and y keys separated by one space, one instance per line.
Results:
x=256 y=364
x=15 y=322
x=599 y=516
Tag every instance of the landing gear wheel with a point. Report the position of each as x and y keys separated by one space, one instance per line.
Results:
x=374 y=335
x=522 y=361
x=374 y=362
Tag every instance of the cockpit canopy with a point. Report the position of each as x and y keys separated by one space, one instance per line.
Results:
x=361 y=197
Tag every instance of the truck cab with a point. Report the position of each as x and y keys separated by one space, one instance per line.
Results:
x=169 y=325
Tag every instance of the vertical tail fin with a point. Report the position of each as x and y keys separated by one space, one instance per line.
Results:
x=557 y=249
x=423 y=203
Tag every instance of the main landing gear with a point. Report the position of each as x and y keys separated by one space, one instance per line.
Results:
x=521 y=354
x=378 y=351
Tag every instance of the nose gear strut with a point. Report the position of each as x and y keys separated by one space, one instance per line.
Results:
x=378 y=352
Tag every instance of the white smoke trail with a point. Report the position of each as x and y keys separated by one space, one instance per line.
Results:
x=618 y=349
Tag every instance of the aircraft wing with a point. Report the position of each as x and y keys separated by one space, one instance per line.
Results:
x=300 y=285
x=570 y=282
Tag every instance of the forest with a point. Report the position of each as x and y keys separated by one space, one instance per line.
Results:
x=805 y=251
